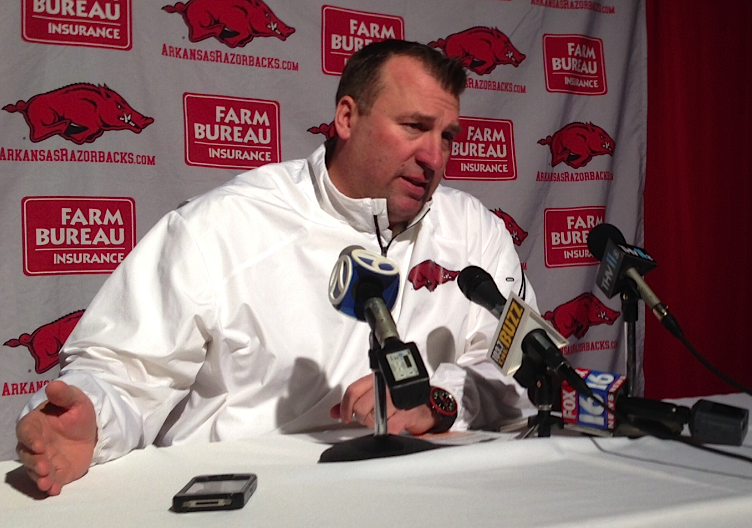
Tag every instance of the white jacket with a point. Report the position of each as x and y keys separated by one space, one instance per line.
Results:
x=218 y=325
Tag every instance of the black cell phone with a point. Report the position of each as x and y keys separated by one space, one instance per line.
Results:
x=215 y=492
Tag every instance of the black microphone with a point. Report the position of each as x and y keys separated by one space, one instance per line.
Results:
x=521 y=330
x=478 y=286
x=669 y=416
x=709 y=422
x=622 y=263
x=717 y=423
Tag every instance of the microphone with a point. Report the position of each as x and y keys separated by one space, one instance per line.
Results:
x=478 y=286
x=709 y=422
x=521 y=330
x=365 y=285
x=358 y=275
x=621 y=263
x=669 y=416
x=716 y=423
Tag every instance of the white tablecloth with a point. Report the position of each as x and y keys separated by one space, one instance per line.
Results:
x=538 y=482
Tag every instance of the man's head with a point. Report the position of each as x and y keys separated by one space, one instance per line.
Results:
x=397 y=114
x=361 y=78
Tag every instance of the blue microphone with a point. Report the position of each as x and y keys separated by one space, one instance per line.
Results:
x=365 y=285
x=359 y=275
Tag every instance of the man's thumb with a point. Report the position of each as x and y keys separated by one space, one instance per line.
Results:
x=61 y=394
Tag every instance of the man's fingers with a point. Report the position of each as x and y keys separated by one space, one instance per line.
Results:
x=62 y=395
x=39 y=470
x=368 y=420
x=54 y=489
x=335 y=412
x=358 y=405
x=43 y=471
x=26 y=456
x=48 y=484
x=56 y=440
x=29 y=433
x=363 y=406
x=32 y=432
x=353 y=395
x=396 y=423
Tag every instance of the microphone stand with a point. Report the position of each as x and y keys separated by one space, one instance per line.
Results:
x=536 y=378
x=380 y=444
x=629 y=301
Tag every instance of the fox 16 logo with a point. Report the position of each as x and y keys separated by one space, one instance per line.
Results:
x=580 y=410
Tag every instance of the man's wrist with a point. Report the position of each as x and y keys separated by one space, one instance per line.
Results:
x=444 y=409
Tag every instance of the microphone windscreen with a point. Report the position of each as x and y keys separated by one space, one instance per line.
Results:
x=469 y=279
x=599 y=237
x=349 y=249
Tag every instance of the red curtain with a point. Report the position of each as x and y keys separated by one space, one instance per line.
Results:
x=698 y=192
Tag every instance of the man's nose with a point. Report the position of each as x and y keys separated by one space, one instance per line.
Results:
x=431 y=152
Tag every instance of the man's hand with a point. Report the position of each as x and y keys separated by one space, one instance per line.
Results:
x=56 y=440
x=358 y=405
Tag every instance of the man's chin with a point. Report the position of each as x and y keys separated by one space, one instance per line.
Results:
x=404 y=211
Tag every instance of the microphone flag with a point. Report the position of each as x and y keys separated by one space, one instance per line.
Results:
x=517 y=320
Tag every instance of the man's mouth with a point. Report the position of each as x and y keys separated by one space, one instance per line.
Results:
x=416 y=187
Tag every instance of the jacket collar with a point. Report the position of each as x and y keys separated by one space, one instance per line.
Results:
x=362 y=214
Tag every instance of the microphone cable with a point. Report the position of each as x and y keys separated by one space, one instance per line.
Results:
x=472 y=279
x=708 y=365
x=597 y=241
x=661 y=435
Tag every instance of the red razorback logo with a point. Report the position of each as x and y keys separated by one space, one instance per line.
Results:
x=232 y=22
x=430 y=275
x=577 y=143
x=79 y=113
x=480 y=49
x=327 y=129
x=578 y=315
x=518 y=234
x=45 y=342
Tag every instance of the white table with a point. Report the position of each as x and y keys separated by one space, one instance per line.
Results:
x=538 y=482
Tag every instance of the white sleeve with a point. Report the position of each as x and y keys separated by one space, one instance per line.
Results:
x=486 y=398
x=118 y=427
x=142 y=340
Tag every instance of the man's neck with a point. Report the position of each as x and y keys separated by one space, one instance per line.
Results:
x=397 y=228
x=335 y=175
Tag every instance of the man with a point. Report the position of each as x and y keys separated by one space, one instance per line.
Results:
x=218 y=325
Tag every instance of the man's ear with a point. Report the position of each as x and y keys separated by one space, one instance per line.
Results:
x=345 y=116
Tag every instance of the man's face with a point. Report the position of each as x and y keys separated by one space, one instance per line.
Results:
x=398 y=150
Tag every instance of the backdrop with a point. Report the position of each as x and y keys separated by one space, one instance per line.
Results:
x=698 y=220
x=116 y=111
